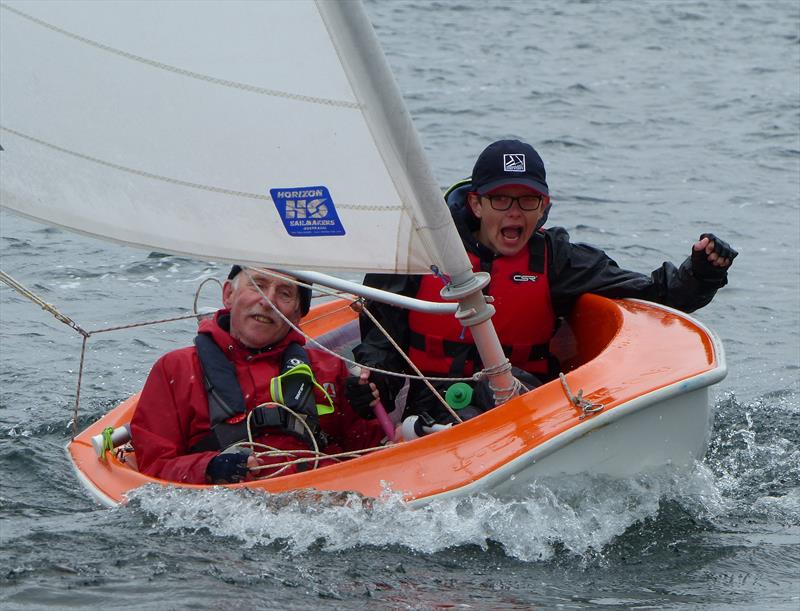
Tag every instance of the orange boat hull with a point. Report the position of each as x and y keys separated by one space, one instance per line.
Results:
x=648 y=365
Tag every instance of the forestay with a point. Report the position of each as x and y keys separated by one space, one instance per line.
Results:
x=266 y=133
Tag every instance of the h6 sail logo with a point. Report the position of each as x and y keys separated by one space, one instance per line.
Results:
x=514 y=162
x=307 y=211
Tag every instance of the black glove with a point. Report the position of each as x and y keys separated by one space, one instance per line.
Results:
x=227 y=468
x=705 y=270
x=360 y=395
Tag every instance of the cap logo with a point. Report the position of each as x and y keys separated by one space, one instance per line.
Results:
x=514 y=162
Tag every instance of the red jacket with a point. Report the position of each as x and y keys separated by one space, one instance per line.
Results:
x=172 y=414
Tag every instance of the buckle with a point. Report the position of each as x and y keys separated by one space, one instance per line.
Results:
x=266 y=416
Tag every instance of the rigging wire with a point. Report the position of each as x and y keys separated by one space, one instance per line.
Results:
x=25 y=292
x=355 y=302
x=419 y=376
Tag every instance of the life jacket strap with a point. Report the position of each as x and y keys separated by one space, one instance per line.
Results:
x=225 y=434
x=225 y=401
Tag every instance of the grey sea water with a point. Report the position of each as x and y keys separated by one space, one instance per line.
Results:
x=657 y=121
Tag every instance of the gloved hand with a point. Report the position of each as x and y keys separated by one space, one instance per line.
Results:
x=360 y=393
x=227 y=468
x=711 y=257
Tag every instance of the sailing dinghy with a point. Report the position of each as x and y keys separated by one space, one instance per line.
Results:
x=184 y=128
x=653 y=409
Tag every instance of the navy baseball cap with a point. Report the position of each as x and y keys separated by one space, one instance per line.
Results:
x=509 y=162
x=303 y=292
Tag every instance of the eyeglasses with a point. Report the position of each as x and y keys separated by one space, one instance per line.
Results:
x=528 y=203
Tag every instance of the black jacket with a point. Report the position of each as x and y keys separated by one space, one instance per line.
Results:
x=573 y=269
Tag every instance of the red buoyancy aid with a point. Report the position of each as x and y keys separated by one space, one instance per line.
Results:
x=525 y=321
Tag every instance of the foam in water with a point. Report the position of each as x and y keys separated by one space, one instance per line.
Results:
x=581 y=515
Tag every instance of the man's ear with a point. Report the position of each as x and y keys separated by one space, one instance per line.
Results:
x=475 y=204
x=227 y=294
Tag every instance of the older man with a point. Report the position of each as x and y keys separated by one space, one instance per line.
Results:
x=537 y=276
x=196 y=400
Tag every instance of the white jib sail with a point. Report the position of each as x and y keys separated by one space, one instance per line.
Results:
x=256 y=132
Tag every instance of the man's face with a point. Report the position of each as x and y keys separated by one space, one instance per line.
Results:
x=253 y=321
x=505 y=232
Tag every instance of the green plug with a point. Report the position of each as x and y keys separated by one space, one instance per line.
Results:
x=458 y=395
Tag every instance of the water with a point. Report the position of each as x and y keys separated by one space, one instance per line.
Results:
x=657 y=121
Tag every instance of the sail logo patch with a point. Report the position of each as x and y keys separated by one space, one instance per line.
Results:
x=307 y=211
x=514 y=162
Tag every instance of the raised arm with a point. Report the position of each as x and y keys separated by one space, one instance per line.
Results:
x=576 y=269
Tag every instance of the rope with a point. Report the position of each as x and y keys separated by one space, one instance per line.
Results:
x=316 y=453
x=502 y=393
x=78 y=389
x=42 y=303
x=311 y=435
x=25 y=292
x=419 y=376
x=508 y=392
x=200 y=288
x=474 y=378
x=177 y=181
x=408 y=360
x=587 y=407
x=322 y=455
x=271 y=451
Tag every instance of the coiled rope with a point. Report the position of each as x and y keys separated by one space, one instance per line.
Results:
x=295 y=456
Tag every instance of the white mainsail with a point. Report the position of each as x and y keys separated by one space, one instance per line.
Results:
x=268 y=133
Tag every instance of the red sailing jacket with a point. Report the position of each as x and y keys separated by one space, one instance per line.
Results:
x=172 y=414
x=438 y=344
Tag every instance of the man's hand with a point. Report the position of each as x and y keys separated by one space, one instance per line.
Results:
x=228 y=468
x=711 y=257
x=362 y=394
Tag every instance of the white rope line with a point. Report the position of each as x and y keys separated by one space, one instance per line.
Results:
x=136 y=172
x=310 y=433
x=475 y=377
x=4 y=277
x=181 y=71
x=273 y=452
x=411 y=363
x=85 y=334
x=179 y=182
